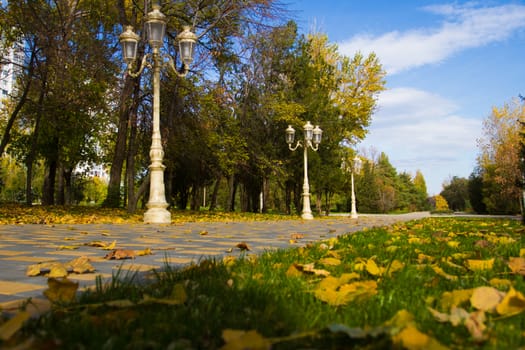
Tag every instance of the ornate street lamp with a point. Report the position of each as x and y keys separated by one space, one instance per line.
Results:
x=155 y=28
x=312 y=139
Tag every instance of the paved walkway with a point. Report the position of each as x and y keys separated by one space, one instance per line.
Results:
x=177 y=244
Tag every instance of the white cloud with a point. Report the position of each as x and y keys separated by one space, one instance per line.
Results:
x=465 y=27
x=419 y=130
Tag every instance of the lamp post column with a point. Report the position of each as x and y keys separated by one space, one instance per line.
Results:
x=353 y=214
x=157 y=206
x=307 y=212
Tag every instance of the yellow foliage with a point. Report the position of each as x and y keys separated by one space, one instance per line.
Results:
x=441 y=203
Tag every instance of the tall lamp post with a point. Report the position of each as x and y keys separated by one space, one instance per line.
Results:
x=155 y=28
x=356 y=168
x=312 y=139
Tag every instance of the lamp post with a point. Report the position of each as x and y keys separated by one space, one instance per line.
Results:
x=155 y=28
x=356 y=168
x=312 y=139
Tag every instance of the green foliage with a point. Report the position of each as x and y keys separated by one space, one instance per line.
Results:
x=456 y=193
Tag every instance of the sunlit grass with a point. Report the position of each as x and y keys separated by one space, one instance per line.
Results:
x=19 y=214
x=266 y=294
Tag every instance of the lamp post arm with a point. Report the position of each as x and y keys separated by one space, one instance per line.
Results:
x=171 y=63
x=143 y=65
x=299 y=144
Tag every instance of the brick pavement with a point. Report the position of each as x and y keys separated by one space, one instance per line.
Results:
x=177 y=244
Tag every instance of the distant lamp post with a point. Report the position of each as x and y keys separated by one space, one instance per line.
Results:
x=356 y=168
x=312 y=139
x=155 y=28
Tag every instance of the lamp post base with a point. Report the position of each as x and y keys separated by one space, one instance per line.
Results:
x=307 y=216
x=157 y=216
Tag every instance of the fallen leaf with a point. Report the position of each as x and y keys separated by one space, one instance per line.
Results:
x=310 y=268
x=119 y=254
x=486 y=298
x=61 y=290
x=244 y=340
x=57 y=270
x=13 y=325
x=372 y=268
x=203 y=233
x=296 y=236
x=81 y=265
x=146 y=251
x=455 y=298
x=110 y=246
x=242 y=246
x=70 y=247
x=412 y=339
x=442 y=273
x=517 y=265
x=513 y=303
x=456 y=317
x=476 y=326
x=330 y=261
x=479 y=265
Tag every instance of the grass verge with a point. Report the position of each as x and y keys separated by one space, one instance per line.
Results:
x=436 y=283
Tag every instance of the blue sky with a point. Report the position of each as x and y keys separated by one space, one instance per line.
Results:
x=448 y=64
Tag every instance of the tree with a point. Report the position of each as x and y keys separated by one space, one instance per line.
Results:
x=475 y=191
x=499 y=159
x=456 y=193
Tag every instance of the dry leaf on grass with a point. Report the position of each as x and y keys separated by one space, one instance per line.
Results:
x=243 y=340
x=517 y=265
x=10 y=327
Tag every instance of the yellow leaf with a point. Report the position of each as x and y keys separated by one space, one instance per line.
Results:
x=513 y=303
x=392 y=248
x=517 y=265
x=203 y=233
x=400 y=320
x=228 y=260
x=293 y=271
x=309 y=268
x=500 y=282
x=70 y=247
x=10 y=327
x=81 y=265
x=372 y=268
x=330 y=261
x=243 y=340
x=61 y=290
x=412 y=339
x=442 y=273
x=146 y=251
x=522 y=252
x=486 y=298
x=57 y=270
x=33 y=270
x=453 y=244
x=110 y=246
x=455 y=298
x=395 y=265
x=478 y=265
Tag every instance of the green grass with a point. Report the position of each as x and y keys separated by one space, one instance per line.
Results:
x=190 y=308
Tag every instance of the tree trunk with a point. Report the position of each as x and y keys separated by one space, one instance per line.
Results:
x=232 y=185
x=48 y=190
x=130 y=165
x=213 y=199
x=30 y=160
x=115 y=176
x=60 y=192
